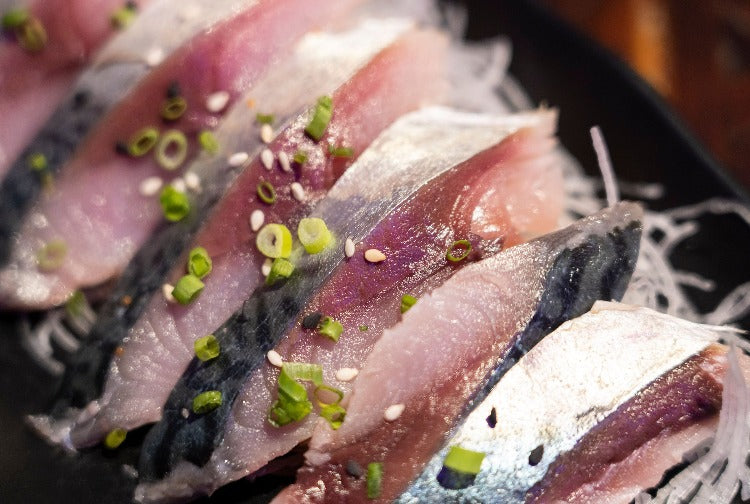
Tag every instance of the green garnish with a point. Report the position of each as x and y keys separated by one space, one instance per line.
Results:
x=264 y=118
x=300 y=157
x=374 y=479
x=51 y=255
x=206 y=402
x=363 y=328
x=76 y=304
x=187 y=289
x=114 y=438
x=463 y=460
x=330 y=328
x=208 y=142
x=320 y=119
x=313 y=234
x=31 y=34
x=340 y=151
x=122 y=17
x=407 y=301
x=143 y=141
x=14 y=18
x=266 y=192
x=280 y=268
x=174 y=203
x=332 y=412
x=37 y=161
x=199 y=262
x=207 y=347
x=461 y=246
x=173 y=108
x=293 y=404
x=171 y=150
x=274 y=240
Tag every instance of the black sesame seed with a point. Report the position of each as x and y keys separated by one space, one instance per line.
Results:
x=122 y=148
x=354 y=469
x=131 y=5
x=80 y=99
x=173 y=91
x=311 y=321
x=492 y=419
x=536 y=455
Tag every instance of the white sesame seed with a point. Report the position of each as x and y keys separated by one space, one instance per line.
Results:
x=150 y=186
x=185 y=413
x=284 y=162
x=217 y=101
x=274 y=358
x=179 y=185
x=349 y=247
x=167 y=289
x=266 y=133
x=192 y=181
x=298 y=192
x=238 y=159
x=266 y=157
x=256 y=220
x=266 y=268
x=393 y=411
x=154 y=56
x=374 y=256
x=346 y=374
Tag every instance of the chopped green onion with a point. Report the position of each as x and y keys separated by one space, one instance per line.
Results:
x=300 y=157
x=327 y=388
x=187 y=289
x=330 y=328
x=199 y=262
x=207 y=347
x=114 y=438
x=274 y=240
x=340 y=151
x=312 y=320
x=173 y=108
x=208 y=142
x=463 y=460
x=407 y=301
x=313 y=234
x=374 y=479
x=363 y=328
x=462 y=246
x=206 y=402
x=37 y=161
x=174 y=203
x=264 y=118
x=143 y=141
x=76 y=304
x=293 y=404
x=266 y=192
x=122 y=17
x=171 y=150
x=280 y=268
x=321 y=117
x=51 y=255
x=304 y=371
x=14 y=18
x=334 y=414
x=31 y=35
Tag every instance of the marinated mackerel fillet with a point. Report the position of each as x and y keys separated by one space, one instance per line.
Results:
x=160 y=346
x=32 y=82
x=414 y=238
x=96 y=209
x=608 y=402
x=455 y=343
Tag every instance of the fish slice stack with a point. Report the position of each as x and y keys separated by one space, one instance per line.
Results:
x=295 y=234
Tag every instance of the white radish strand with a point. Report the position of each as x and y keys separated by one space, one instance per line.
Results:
x=605 y=166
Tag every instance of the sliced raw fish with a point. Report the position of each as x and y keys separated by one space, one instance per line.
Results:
x=97 y=208
x=159 y=347
x=414 y=239
x=455 y=343
x=614 y=398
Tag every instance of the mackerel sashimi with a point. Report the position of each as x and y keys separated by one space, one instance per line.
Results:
x=158 y=348
x=456 y=342
x=99 y=212
x=475 y=199
x=603 y=424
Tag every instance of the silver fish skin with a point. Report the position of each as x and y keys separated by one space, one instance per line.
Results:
x=576 y=377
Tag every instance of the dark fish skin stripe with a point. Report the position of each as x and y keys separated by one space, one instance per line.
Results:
x=58 y=140
x=244 y=339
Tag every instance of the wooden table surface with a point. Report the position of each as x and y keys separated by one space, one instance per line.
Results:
x=696 y=53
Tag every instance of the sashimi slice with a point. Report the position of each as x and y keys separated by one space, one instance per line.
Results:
x=614 y=398
x=159 y=347
x=464 y=202
x=32 y=83
x=96 y=208
x=455 y=343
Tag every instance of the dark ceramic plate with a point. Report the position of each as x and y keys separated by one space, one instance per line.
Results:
x=555 y=65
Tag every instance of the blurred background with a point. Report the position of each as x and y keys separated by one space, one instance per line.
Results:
x=695 y=53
